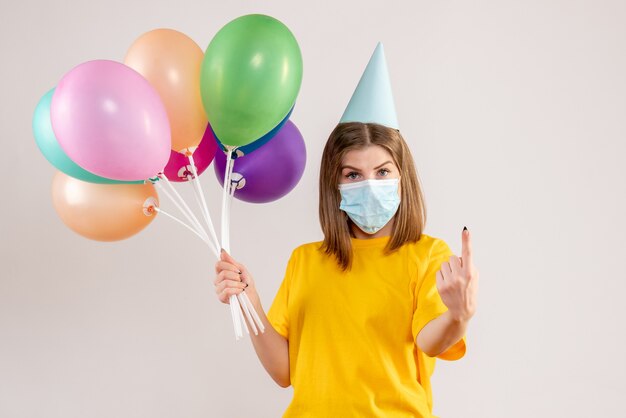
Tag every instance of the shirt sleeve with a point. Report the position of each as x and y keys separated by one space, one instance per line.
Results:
x=278 y=314
x=428 y=301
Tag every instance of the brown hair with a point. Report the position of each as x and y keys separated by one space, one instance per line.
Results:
x=411 y=215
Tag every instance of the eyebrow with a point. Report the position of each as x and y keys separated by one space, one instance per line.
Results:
x=354 y=168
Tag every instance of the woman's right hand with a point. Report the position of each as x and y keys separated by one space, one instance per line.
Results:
x=232 y=278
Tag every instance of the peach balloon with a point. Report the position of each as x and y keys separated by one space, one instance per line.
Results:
x=103 y=212
x=171 y=61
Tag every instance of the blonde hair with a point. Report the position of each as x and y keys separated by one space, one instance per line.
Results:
x=410 y=218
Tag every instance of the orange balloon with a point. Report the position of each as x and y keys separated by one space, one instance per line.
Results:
x=103 y=212
x=171 y=61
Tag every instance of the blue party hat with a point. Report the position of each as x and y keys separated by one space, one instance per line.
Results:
x=372 y=101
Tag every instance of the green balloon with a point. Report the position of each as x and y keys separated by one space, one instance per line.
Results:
x=250 y=77
x=50 y=148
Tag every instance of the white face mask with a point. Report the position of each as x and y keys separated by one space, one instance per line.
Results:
x=370 y=203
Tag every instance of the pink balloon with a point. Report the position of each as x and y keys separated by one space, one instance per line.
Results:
x=110 y=121
x=178 y=168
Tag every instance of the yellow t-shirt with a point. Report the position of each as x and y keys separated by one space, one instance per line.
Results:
x=352 y=350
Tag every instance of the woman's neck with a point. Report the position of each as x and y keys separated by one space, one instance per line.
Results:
x=383 y=232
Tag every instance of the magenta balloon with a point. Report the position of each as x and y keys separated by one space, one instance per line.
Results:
x=269 y=172
x=178 y=167
x=110 y=121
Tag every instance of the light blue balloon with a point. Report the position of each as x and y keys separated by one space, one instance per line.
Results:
x=50 y=148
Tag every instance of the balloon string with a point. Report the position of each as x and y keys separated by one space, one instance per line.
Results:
x=244 y=300
x=241 y=317
x=238 y=309
x=236 y=322
x=207 y=217
x=231 y=191
x=232 y=187
x=234 y=302
x=240 y=301
x=212 y=244
x=194 y=189
x=226 y=189
x=206 y=213
x=234 y=306
x=169 y=215
x=247 y=312
x=187 y=212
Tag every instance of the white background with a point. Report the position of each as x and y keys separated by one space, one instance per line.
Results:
x=515 y=113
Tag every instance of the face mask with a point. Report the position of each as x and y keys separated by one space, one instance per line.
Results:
x=370 y=203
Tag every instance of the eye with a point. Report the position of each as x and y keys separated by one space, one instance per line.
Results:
x=384 y=172
x=352 y=175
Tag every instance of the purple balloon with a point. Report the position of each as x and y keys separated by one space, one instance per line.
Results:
x=178 y=167
x=269 y=172
x=110 y=121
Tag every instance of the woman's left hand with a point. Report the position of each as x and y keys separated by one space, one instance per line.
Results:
x=457 y=282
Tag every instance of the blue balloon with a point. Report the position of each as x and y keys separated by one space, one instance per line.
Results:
x=248 y=148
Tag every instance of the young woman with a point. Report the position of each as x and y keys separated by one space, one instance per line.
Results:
x=361 y=316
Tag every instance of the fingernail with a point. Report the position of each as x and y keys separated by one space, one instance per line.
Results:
x=464 y=228
x=221 y=250
x=239 y=272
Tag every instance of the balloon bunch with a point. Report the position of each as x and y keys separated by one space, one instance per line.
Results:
x=116 y=132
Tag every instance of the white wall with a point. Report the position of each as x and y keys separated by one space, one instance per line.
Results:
x=515 y=113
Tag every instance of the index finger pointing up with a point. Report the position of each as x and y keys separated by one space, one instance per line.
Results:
x=466 y=248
